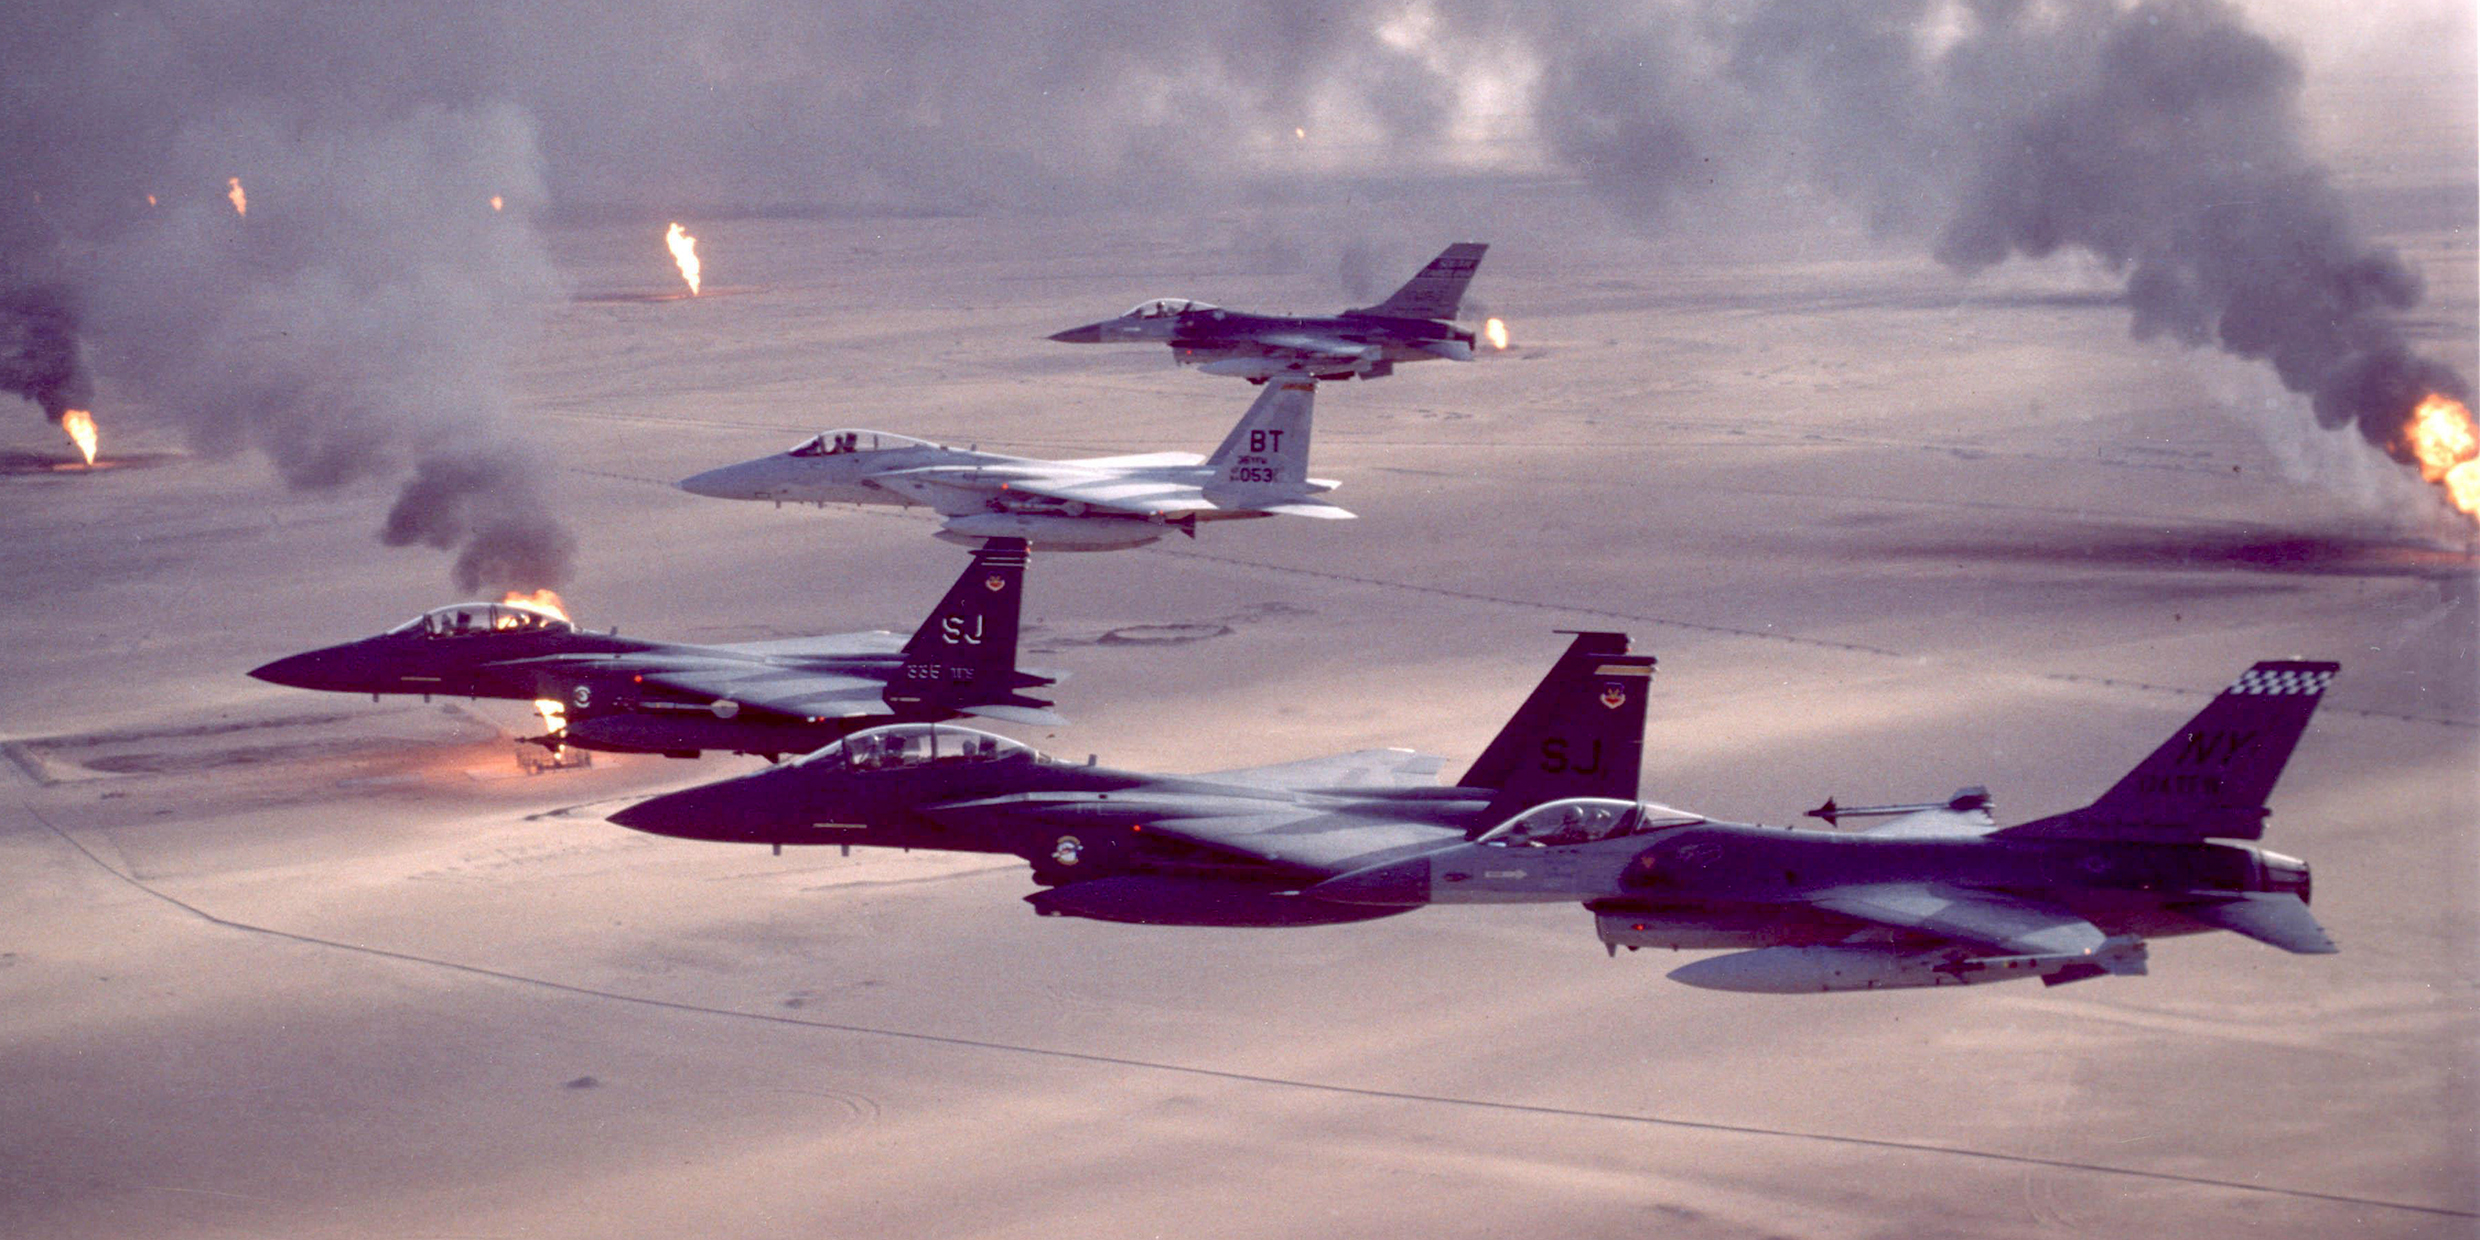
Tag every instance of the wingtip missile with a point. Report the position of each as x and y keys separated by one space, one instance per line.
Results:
x=1964 y=801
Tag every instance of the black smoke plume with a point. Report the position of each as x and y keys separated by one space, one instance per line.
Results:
x=354 y=327
x=2174 y=152
x=486 y=506
x=39 y=355
x=2163 y=138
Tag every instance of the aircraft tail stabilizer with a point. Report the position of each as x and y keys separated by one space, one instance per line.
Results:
x=1269 y=449
x=1580 y=734
x=1287 y=502
x=2210 y=780
x=1438 y=291
x=2279 y=918
x=964 y=655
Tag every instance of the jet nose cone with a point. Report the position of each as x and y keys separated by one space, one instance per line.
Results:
x=729 y=482
x=1396 y=884
x=1091 y=333
x=733 y=810
x=670 y=814
x=313 y=670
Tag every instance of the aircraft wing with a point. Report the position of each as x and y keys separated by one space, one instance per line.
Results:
x=1307 y=839
x=1132 y=494
x=1265 y=825
x=949 y=489
x=2003 y=923
x=1367 y=768
x=1289 y=502
x=1124 y=488
x=1941 y=822
x=1332 y=348
x=774 y=688
x=881 y=642
x=1142 y=460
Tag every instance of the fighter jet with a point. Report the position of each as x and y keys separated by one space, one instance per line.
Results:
x=631 y=695
x=1230 y=848
x=1414 y=325
x=1095 y=504
x=1937 y=895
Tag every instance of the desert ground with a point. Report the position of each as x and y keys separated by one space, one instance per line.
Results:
x=278 y=963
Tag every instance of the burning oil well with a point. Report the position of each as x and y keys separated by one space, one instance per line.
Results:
x=684 y=255
x=40 y=359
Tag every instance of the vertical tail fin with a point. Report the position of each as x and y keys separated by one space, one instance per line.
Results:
x=1270 y=446
x=1438 y=291
x=964 y=655
x=2211 y=778
x=1581 y=733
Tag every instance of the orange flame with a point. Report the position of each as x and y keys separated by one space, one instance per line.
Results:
x=1495 y=331
x=554 y=714
x=539 y=600
x=684 y=253
x=2442 y=439
x=81 y=427
x=240 y=201
x=150 y=200
x=495 y=202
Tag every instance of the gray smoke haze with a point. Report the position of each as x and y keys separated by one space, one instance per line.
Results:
x=2163 y=138
x=356 y=327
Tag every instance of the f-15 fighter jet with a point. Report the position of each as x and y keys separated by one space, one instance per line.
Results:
x=1935 y=896
x=1095 y=504
x=1231 y=848
x=1414 y=325
x=631 y=695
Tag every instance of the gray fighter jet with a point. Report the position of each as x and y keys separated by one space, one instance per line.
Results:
x=630 y=695
x=1414 y=325
x=1937 y=895
x=1231 y=848
x=1096 y=504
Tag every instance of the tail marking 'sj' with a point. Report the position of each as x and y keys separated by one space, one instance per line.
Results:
x=964 y=655
x=1580 y=734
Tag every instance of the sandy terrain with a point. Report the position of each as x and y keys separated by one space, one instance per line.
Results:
x=274 y=963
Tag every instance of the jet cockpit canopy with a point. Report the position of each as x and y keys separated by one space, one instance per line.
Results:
x=1166 y=307
x=837 y=443
x=464 y=619
x=920 y=744
x=1580 y=820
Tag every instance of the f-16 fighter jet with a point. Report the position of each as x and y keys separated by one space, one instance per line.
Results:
x=1097 y=504
x=1937 y=895
x=1414 y=325
x=630 y=695
x=1231 y=848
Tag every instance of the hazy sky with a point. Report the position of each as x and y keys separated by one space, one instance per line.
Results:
x=357 y=326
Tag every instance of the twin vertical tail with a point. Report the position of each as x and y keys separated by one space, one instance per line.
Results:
x=1269 y=448
x=963 y=658
x=2210 y=780
x=1263 y=464
x=1581 y=733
